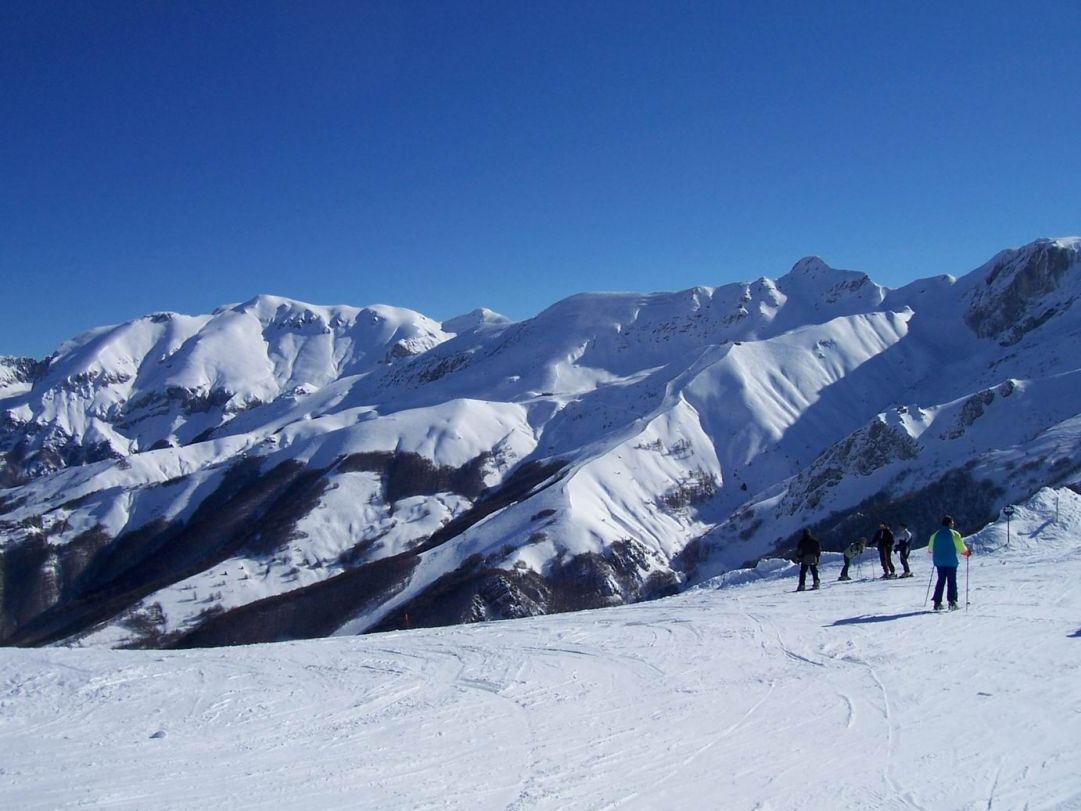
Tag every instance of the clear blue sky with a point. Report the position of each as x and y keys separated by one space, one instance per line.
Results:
x=449 y=155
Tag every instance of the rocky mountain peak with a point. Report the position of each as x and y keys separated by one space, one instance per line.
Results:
x=811 y=267
x=18 y=374
x=1024 y=288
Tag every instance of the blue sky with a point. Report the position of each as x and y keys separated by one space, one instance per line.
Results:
x=444 y=156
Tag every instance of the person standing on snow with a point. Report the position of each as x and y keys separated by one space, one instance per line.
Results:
x=852 y=551
x=884 y=541
x=902 y=545
x=808 y=551
x=944 y=547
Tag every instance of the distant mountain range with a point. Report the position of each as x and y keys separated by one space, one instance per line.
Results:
x=279 y=470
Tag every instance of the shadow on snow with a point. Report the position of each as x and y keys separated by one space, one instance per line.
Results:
x=869 y=618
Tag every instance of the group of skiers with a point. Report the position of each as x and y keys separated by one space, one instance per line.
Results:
x=944 y=546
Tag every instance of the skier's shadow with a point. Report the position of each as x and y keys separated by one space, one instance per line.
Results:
x=870 y=618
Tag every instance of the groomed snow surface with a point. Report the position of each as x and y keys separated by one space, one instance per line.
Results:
x=738 y=695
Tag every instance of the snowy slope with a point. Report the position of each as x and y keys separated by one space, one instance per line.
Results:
x=278 y=470
x=737 y=695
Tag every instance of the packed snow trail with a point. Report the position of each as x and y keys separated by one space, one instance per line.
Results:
x=739 y=695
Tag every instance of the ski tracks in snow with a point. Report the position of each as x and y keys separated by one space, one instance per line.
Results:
x=839 y=659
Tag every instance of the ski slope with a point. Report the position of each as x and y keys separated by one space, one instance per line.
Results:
x=739 y=695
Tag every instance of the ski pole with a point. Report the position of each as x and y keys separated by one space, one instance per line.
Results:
x=929 y=579
x=968 y=560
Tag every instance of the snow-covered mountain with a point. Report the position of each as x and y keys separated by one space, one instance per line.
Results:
x=169 y=379
x=279 y=470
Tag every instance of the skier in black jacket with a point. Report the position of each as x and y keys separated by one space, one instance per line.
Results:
x=808 y=551
x=902 y=545
x=884 y=541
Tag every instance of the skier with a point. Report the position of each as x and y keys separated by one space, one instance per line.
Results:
x=852 y=551
x=944 y=547
x=884 y=541
x=808 y=550
x=902 y=547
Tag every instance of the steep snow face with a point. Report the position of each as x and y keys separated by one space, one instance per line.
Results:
x=278 y=469
x=782 y=390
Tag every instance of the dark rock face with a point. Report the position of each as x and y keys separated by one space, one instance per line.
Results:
x=21 y=370
x=973 y=408
x=34 y=449
x=155 y=404
x=860 y=454
x=1011 y=309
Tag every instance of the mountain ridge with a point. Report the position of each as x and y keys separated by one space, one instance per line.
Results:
x=614 y=447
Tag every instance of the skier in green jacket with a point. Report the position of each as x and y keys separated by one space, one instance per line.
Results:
x=852 y=552
x=944 y=548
